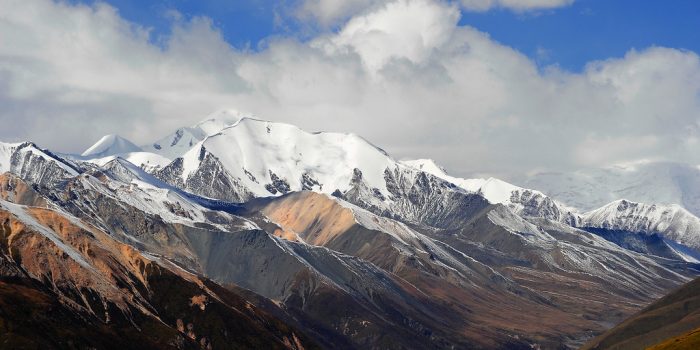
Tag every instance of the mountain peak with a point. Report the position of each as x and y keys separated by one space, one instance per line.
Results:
x=109 y=145
x=219 y=120
x=178 y=143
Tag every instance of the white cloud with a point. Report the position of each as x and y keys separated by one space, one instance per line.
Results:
x=515 y=5
x=330 y=12
x=92 y=69
x=402 y=74
x=404 y=29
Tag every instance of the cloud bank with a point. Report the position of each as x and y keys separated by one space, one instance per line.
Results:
x=403 y=74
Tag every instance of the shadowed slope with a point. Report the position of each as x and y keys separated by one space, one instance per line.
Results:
x=688 y=341
x=669 y=317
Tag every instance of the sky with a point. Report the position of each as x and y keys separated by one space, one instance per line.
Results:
x=491 y=87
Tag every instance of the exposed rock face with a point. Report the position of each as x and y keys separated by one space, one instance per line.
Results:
x=39 y=166
x=530 y=203
x=417 y=197
x=15 y=190
x=210 y=179
x=522 y=201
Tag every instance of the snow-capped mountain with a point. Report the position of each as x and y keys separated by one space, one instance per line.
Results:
x=110 y=145
x=183 y=139
x=644 y=182
x=263 y=159
x=526 y=202
x=255 y=158
x=671 y=221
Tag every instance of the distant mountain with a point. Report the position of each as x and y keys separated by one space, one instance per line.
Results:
x=672 y=322
x=110 y=145
x=622 y=219
x=643 y=182
x=147 y=161
x=526 y=202
x=670 y=221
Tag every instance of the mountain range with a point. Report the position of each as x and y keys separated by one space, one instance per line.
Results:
x=243 y=233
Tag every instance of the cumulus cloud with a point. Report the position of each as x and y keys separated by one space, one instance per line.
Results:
x=402 y=74
x=405 y=29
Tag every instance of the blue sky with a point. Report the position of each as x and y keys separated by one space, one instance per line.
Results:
x=241 y=22
x=569 y=36
x=594 y=29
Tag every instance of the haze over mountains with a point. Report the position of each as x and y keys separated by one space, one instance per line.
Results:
x=321 y=239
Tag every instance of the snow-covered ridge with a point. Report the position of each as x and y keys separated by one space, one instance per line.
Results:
x=183 y=139
x=494 y=190
x=147 y=161
x=671 y=221
x=427 y=165
x=33 y=163
x=522 y=201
